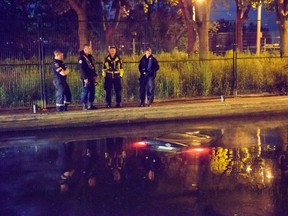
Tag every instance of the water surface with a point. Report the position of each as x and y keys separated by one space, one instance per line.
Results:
x=241 y=169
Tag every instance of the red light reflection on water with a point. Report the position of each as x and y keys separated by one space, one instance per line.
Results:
x=198 y=151
x=140 y=144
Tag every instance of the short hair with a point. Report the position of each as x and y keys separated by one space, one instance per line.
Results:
x=57 y=52
x=86 y=45
x=148 y=49
x=112 y=47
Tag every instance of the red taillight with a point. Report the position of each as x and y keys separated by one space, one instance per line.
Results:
x=199 y=149
x=140 y=144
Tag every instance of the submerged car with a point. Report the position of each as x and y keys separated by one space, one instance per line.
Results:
x=179 y=141
x=184 y=156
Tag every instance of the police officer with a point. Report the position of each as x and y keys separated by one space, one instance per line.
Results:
x=148 y=68
x=88 y=77
x=60 y=72
x=115 y=158
x=112 y=72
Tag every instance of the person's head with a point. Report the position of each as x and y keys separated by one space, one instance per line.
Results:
x=64 y=188
x=116 y=175
x=58 y=54
x=92 y=181
x=148 y=52
x=87 y=49
x=112 y=50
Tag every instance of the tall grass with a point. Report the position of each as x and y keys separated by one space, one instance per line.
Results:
x=180 y=75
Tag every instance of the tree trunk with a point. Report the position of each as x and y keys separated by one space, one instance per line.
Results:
x=284 y=37
x=242 y=11
x=202 y=11
x=82 y=30
x=191 y=34
x=188 y=15
x=110 y=27
x=202 y=18
x=79 y=6
x=108 y=35
x=203 y=40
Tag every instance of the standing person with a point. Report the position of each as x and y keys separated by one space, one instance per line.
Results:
x=60 y=72
x=148 y=68
x=88 y=77
x=113 y=73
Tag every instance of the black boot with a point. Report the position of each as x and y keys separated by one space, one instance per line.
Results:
x=91 y=106
x=59 y=108
x=85 y=107
x=66 y=107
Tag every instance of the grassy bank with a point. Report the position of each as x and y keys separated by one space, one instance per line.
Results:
x=180 y=75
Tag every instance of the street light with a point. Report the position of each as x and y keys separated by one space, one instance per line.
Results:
x=194 y=6
x=194 y=15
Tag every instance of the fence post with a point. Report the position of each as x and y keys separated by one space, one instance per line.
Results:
x=234 y=70
x=41 y=65
x=234 y=75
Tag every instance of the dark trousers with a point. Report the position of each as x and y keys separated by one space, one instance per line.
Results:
x=109 y=84
x=88 y=92
x=63 y=93
x=67 y=154
x=147 y=86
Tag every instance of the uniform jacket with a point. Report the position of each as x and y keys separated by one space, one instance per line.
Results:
x=87 y=66
x=112 y=67
x=57 y=67
x=148 y=66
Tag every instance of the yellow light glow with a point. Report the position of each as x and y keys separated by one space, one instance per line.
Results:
x=249 y=169
x=269 y=175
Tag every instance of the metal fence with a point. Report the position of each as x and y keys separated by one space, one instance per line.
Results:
x=27 y=48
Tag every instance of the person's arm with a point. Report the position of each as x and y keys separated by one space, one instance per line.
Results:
x=93 y=66
x=156 y=65
x=141 y=67
x=121 y=70
x=61 y=69
x=65 y=71
x=105 y=68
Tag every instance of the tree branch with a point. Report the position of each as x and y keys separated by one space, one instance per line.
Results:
x=77 y=5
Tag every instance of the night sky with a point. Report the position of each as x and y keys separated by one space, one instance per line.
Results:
x=268 y=19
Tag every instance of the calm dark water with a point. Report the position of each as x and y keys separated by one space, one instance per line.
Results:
x=222 y=171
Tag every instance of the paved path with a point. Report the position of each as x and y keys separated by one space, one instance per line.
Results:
x=168 y=111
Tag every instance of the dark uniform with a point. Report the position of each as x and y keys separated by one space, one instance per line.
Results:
x=115 y=158
x=79 y=170
x=148 y=68
x=63 y=93
x=87 y=69
x=113 y=72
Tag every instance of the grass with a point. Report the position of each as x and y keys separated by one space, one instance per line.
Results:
x=180 y=75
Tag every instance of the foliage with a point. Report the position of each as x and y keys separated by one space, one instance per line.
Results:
x=206 y=77
x=221 y=159
x=3 y=95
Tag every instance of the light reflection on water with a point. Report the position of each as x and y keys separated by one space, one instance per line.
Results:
x=236 y=171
